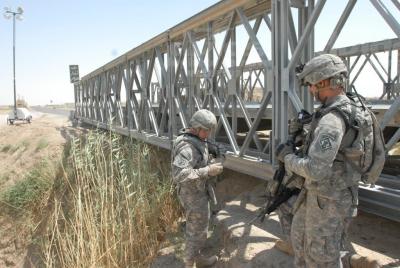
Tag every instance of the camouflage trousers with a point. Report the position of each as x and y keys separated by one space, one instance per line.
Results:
x=318 y=230
x=285 y=216
x=197 y=212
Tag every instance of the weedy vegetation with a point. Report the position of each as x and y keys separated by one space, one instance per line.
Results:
x=30 y=192
x=10 y=148
x=6 y=148
x=42 y=144
x=114 y=205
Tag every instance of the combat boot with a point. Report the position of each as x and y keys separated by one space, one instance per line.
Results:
x=284 y=246
x=202 y=261
x=357 y=261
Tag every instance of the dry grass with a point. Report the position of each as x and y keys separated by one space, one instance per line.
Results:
x=4 y=109
x=117 y=208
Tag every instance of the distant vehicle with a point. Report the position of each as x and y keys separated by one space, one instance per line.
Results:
x=23 y=114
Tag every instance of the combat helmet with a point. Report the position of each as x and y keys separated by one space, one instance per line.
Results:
x=320 y=68
x=203 y=119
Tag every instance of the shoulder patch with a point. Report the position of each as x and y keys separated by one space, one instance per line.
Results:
x=325 y=142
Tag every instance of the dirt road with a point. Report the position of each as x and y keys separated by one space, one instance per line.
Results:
x=3 y=120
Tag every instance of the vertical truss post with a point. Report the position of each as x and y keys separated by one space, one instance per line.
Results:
x=233 y=82
x=145 y=74
x=281 y=81
x=99 y=98
x=105 y=96
x=76 y=86
x=211 y=80
x=305 y=13
x=275 y=15
x=89 y=101
x=347 y=62
x=95 y=85
x=80 y=98
x=111 y=95
x=94 y=98
x=127 y=83
x=398 y=64
x=171 y=93
x=140 y=85
x=84 y=98
x=118 y=104
x=390 y=84
x=191 y=79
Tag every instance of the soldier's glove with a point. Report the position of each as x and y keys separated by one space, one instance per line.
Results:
x=282 y=150
x=215 y=169
x=295 y=126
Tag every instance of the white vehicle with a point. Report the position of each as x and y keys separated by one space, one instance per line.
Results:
x=23 y=114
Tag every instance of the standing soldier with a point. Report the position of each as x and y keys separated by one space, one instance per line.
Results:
x=191 y=170
x=329 y=196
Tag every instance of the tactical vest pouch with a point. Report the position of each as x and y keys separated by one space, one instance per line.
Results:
x=353 y=154
x=366 y=154
x=377 y=155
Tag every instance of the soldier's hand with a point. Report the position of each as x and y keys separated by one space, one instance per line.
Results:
x=271 y=188
x=215 y=169
x=282 y=150
x=294 y=126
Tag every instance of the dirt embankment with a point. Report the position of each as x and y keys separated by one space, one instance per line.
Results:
x=24 y=147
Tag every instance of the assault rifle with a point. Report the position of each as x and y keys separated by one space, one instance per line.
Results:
x=215 y=150
x=218 y=153
x=281 y=193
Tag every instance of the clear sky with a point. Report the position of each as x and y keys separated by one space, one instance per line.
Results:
x=90 y=33
x=55 y=34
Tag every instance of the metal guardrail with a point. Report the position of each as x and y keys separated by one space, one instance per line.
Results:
x=383 y=199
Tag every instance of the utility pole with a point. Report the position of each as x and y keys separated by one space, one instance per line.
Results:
x=15 y=15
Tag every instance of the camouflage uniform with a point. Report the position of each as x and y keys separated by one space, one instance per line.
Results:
x=330 y=191
x=285 y=216
x=285 y=210
x=190 y=172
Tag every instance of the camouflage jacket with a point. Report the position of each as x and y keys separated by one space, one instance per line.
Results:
x=323 y=170
x=189 y=161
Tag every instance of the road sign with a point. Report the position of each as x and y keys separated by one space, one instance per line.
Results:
x=74 y=73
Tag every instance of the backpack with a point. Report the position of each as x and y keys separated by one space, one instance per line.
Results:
x=364 y=147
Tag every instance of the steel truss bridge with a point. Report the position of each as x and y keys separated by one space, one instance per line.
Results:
x=150 y=92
